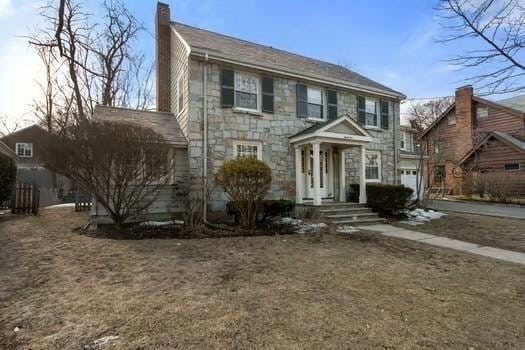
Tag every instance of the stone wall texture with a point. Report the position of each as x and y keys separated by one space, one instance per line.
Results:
x=272 y=131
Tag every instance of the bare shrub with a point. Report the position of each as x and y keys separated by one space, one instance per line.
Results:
x=498 y=186
x=246 y=181
x=121 y=164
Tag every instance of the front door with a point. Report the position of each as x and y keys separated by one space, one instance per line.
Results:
x=324 y=172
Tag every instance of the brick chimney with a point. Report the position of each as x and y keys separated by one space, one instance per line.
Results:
x=163 y=57
x=464 y=120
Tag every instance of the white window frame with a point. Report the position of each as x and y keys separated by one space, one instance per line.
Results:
x=179 y=94
x=451 y=121
x=403 y=141
x=324 y=105
x=259 y=92
x=24 y=145
x=247 y=143
x=486 y=115
x=379 y=166
x=378 y=113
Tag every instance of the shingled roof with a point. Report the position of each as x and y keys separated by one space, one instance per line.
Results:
x=161 y=122
x=269 y=57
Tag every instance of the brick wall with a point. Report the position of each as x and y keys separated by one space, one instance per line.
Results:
x=163 y=53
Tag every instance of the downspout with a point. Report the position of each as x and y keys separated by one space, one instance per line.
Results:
x=205 y=142
x=396 y=150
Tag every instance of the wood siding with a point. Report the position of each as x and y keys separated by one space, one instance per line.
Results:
x=493 y=157
x=500 y=120
x=179 y=68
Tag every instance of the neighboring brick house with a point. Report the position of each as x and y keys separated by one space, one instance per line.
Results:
x=475 y=135
x=29 y=144
x=319 y=126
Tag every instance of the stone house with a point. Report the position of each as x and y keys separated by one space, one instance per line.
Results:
x=475 y=136
x=319 y=126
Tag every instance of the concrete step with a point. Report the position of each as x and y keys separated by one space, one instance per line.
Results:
x=360 y=221
x=345 y=210
x=351 y=215
x=342 y=205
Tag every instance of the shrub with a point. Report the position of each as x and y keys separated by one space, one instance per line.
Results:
x=7 y=177
x=279 y=207
x=498 y=187
x=246 y=181
x=353 y=193
x=387 y=200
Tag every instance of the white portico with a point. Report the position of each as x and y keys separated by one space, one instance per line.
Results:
x=320 y=172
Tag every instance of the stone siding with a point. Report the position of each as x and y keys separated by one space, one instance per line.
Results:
x=272 y=131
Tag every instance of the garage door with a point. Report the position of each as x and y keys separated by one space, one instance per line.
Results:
x=409 y=179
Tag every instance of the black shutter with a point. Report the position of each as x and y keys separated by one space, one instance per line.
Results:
x=302 y=101
x=332 y=103
x=361 y=110
x=227 y=88
x=267 y=94
x=385 y=114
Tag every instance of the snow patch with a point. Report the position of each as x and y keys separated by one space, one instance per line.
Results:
x=301 y=226
x=62 y=205
x=347 y=229
x=162 y=223
x=420 y=216
x=97 y=344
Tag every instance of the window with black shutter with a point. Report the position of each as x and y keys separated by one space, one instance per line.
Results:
x=267 y=94
x=331 y=97
x=385 y=114
x=361 y=110
x=302 y=101
x=227 y=88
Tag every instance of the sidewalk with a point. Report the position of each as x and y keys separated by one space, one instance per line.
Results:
x=515 y=212
x=496 y=253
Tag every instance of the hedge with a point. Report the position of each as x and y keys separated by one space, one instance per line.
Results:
x=7 y=177
x=268 y=208
x=387 y=200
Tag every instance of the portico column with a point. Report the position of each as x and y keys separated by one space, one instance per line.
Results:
x=317 y=178
x=299 y=190
x=362 y=177
x=331 y=172
x=342 y=177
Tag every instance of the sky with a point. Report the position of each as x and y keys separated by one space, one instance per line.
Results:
x=391 y=41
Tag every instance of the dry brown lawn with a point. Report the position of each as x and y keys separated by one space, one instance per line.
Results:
x=504 y=233
x=64 y=290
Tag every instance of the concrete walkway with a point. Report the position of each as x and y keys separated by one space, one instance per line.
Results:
x=478 y=208
x=438 y=241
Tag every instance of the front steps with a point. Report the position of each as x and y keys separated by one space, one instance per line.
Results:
x=353 y=214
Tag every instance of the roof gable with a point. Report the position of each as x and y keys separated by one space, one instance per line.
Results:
x=500 y=136
x=342 y=128
x=219 y=45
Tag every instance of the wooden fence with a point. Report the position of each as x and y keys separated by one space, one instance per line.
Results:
x=82 y=202
x=26 y=199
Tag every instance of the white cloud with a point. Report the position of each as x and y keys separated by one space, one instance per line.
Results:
x=6 y=8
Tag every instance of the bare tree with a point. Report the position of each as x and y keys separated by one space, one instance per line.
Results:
x=499 y=28
x=123 y=165
x=97 y=60
x=7 y=126
x=421 y=116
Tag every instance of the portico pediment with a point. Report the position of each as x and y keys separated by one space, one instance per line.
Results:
x=343 y=130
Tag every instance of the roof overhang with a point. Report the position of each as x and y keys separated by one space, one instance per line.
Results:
x=483 y=141
x=324 y=134
x=215 y=56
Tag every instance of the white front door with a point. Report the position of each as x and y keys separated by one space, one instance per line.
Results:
x=325 y=171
